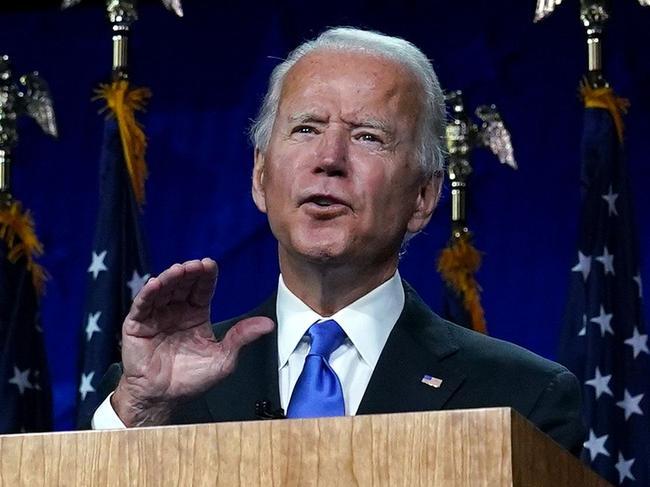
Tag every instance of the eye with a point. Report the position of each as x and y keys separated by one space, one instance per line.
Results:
x=304 y=129
x=368 y=137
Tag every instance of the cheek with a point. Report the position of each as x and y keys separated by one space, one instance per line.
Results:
x=286 y=164
x=277 y=203
x=394 y=209
x=277 y=180
x=379 y=213
x=384 y=190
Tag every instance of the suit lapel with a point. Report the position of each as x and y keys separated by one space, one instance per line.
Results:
x=255 y=378
x=417 y=346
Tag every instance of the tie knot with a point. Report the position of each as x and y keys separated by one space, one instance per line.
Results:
x=326 y=336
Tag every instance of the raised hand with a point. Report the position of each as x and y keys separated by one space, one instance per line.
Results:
x=169 y=351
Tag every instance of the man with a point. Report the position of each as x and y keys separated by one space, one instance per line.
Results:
x=347 y=167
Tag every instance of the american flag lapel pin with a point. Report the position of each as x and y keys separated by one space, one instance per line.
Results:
x=431 y=381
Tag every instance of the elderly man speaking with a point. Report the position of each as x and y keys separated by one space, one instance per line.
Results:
x=348 y=166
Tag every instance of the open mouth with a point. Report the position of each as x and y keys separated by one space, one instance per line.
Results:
x=324 y=201
x=325 y=206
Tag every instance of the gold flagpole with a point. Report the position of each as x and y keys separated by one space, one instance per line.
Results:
x=459 y=261
x=29 y=95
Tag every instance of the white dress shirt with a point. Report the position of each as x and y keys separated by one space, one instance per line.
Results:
x=367 y=322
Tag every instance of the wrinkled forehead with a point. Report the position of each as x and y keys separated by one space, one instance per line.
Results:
x=368 y=74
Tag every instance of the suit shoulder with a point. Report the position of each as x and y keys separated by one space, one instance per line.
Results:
x=465 y=346
x=494 y=373
x=499 y=352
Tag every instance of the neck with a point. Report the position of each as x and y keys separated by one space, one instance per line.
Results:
x=326 y=287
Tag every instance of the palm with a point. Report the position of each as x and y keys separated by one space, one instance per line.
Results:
x=169 y=351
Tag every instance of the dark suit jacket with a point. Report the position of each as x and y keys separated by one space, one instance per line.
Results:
x=476 y=371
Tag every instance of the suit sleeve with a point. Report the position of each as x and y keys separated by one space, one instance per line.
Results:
x=557 y=412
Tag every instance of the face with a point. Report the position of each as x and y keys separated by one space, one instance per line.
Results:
x=339 y=180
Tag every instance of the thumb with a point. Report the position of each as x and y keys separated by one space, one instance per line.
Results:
x=240 y=335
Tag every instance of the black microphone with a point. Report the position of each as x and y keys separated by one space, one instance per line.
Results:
x=264 y=410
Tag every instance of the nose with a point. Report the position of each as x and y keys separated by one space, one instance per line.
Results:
x=332 y=153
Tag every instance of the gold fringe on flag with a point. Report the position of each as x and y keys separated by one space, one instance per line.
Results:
x=17 y=230
x=605 y=98
x=457 y=264
x=123 y=103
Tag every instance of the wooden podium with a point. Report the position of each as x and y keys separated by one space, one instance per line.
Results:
x=479 y=447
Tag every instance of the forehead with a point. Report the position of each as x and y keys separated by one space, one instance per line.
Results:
x=353 y=80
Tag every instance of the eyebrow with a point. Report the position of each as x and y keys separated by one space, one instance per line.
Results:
x=372 y=123
x=304 y=117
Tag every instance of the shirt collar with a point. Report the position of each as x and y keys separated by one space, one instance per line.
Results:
x=367 y=322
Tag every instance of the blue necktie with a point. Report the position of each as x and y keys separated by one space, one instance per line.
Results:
x=318 y=391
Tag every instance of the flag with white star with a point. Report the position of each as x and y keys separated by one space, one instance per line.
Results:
x=25 y=394
x=605 y=341
x=117 y=269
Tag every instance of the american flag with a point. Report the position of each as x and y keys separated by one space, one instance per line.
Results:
x=25 y=395
x=117 y=270
x=431 y=381
x=605 y=341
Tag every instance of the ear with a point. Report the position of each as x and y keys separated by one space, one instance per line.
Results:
x=428 y=196
x=257 y=189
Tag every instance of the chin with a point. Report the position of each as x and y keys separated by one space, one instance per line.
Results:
x=323 y=254
x=322 y=249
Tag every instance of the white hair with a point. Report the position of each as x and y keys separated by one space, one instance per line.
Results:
x=432 y=119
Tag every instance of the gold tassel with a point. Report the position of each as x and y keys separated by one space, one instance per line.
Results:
x=457 y=264
x=123 y=103
x=605 y=98
x=17 y=230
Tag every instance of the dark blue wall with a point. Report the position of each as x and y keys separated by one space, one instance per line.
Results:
x=208 y=73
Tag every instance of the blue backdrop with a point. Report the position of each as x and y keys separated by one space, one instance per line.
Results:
x=208 y=72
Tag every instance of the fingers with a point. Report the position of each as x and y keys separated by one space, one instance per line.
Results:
x=170 y=280
x=191 y=272
x=178 y=283
x=203 y=287
x=241 y=334
x=143 y=303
